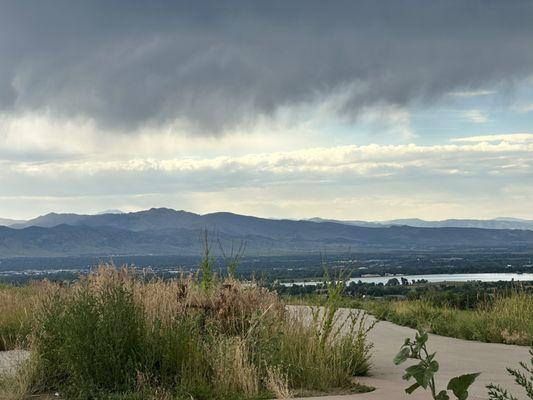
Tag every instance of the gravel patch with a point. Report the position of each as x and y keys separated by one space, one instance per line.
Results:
x=10 y=360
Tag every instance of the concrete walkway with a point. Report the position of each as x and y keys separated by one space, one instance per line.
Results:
x=9 y=360
x=455 y=357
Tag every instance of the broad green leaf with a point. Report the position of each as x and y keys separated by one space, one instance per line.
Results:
x=421 y=374
x=423 y=338
x=434 y=366
x=412 y=388
x=442 y=395
x=460 y=384
x=401 y=356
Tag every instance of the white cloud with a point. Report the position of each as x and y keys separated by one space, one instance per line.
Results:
x=40 y=137
x=43 y=138
x=477 y=116
x=350 y=182
x=361 y=160
x=396 y=121
x=526 y=108
x=264 y=171
x=511 y=138
x=473 y=93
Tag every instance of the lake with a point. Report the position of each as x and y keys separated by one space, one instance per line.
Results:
x=483 y=277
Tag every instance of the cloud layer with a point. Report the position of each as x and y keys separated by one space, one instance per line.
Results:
x=217 y=65
x=475 y=177
x=267 y=107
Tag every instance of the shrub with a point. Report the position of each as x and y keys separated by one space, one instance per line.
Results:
x=117 y=335
x=92 y=338
x=331 y=347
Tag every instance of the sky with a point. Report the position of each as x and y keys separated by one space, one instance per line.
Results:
x=357 y=110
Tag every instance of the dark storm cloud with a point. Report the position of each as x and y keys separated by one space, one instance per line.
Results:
x=217 y=64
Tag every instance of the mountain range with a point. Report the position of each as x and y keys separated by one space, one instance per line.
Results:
x=496 y=223
x=54 y=219
x=9 y=222
x=161 y=231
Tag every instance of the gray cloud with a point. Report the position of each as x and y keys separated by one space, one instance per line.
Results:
x=218 y=64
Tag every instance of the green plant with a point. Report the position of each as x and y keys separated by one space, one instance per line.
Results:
x=335 y=288
x=522 y=378
x=206 y=265
x=424 y=372
x=92 y=339
x=234 y=258
x=115 y=334
x=339 y=339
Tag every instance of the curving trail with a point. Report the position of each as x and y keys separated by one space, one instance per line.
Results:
x=455 y=357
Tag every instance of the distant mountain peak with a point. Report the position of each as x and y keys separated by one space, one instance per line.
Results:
x=509 y=219
x=9 y=221
x=110 y=211
x=162 y=210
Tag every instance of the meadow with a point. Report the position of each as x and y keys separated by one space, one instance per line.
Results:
x=120 y=334
x=505 y=319
x=18 y=305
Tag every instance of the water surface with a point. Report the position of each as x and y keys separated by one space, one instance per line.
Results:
x=482 y=277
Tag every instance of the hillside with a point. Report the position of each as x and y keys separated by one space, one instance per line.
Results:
x=160 y=218
x=166 y=231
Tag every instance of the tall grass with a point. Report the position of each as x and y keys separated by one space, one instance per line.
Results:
x=505 y=319
x=114 y=333
x=17 y=306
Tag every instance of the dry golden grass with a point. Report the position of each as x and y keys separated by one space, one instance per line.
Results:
x=233 y=370
x=18 y=305
x=119 y=332
x=277 y=382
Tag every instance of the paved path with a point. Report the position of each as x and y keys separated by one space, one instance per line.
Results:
x=454 y=355
x=10 y=359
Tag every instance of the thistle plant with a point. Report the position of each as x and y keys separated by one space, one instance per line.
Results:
x=335 y=288
x=424 y=372
x=206 y=265
x=234 y=258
